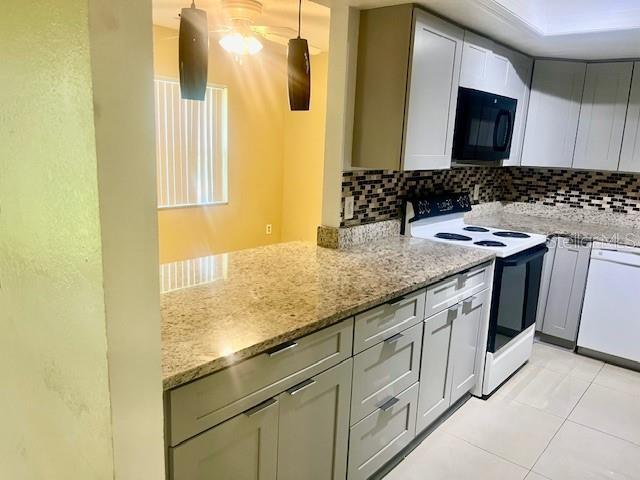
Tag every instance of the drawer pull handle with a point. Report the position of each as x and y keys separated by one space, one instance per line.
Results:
x=469 y=301
x=389 y=403
x=397 y=301
x=281 y=348
x=260 y=407
x=301 y=386
x=392 y=339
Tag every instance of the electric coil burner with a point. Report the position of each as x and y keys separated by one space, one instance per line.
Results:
x=476 y=229
x=453 y=236
x=512 y=235
x=490 y=243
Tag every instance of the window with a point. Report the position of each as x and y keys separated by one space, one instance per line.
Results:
x=191 y=146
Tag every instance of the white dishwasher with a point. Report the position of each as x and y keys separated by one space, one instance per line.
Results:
x=610 y=321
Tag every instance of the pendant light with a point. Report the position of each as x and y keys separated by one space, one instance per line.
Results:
x=299 y=66
x=193 y=55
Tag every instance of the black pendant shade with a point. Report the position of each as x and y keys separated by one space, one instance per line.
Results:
x=299 y=74
x=193 y=53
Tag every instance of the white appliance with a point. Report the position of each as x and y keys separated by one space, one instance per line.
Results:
x=517 y=276
x=610 y=321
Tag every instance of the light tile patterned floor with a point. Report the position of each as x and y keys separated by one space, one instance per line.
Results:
x=561 y=417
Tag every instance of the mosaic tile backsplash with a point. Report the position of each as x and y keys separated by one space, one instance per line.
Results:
x=378 y=193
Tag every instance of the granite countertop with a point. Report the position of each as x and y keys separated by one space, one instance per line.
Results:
x=277 y=293
x=611 y=233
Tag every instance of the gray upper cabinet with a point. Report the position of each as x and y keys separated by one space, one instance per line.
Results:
x=602 y=116
x=630 y=156
x=406 y=89
x=554 y=110
x=243 y=448
x=491 y=67
x=566 y=289
x=313 y=435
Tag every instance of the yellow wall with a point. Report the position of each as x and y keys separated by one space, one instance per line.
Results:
x=304 y=160
x=256 y=96
x=275 y=157
x=63 y=254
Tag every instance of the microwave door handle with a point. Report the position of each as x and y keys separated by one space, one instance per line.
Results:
x=522 y=259
x=502 y=147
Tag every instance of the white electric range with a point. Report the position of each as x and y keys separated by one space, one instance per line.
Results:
x=516 y=281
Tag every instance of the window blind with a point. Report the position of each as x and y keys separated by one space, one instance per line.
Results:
x=191 y=146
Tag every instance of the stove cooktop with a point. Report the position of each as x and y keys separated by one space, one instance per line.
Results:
x=452 y=229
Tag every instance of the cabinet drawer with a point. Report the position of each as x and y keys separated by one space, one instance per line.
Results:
x=385 y=370
x=382 y=322
x=455 y=289
x=211 y=400
x=382 y=434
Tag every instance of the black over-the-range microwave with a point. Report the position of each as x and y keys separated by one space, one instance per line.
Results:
x=484 y=126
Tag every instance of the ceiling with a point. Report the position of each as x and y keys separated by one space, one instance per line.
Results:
x=580 y=29
x=276 y=13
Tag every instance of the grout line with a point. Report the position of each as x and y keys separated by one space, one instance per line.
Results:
x=605 y=433
x=487 y=451
x=567 y=417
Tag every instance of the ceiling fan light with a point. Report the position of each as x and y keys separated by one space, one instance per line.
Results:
x=240 y=45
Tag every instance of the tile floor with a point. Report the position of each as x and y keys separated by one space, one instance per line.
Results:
x=561 y=417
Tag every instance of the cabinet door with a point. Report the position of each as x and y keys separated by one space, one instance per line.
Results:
x=545 y=282
x=602 y=116
x=243 y=448
x=314 y=427
x=566 y=290
x=630 y=156
x=465 y=356
x=435 y=381
x=433 y=93
x=476 y=62
x=518 y=87
x=554 y=110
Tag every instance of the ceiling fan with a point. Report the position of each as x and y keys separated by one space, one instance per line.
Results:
x=241 y=36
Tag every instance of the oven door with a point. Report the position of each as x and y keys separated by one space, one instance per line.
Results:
x=484 y=126
x=516 y=288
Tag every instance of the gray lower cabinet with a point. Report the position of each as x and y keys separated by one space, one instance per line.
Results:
x=314 y=427
x=301 y=433
x=384 y=371
x=464 y=352
x=379 y=436
x=566 y=289
x=435 y=383
x=242 y=448
x=545 y=282
x=451 y=356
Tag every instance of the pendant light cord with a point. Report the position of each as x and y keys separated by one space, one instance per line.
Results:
x=299 y=17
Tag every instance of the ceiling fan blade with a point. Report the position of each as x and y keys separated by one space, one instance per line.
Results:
x=221 y=29
x=193 y=53
x=282 y=31
x=281 y=40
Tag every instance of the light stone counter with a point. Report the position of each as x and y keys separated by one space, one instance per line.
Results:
x=273 y=294
x=612 y=233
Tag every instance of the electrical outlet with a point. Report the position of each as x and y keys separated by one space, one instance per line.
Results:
x=476 y=192
x=269 y=229
x=348 y=208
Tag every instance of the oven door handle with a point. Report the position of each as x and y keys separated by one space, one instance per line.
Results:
x=525 y=258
